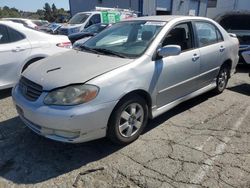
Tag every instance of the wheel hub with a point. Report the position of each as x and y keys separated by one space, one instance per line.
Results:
x=132 y=120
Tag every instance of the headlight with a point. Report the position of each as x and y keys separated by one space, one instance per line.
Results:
x=72 y=95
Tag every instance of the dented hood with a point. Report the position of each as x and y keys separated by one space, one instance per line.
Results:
x=72 y=67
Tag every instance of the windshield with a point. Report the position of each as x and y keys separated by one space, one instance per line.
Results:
x=96 y=28
x=40 y=22
x=79 y=18
x=128 y=39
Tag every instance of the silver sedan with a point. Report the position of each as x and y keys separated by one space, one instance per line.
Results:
x=133 y=71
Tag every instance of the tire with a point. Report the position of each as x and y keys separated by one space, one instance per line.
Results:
x=128 y=120
x=222 y=79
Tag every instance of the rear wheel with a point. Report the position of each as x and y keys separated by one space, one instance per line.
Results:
x=222 y=79
x=128 y=120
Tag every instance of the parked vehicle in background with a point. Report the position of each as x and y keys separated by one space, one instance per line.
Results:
x=238 y=23
x=41 y=24
x=21 y=46
x=52 y=28
x=25 y=22
x=87 y=33
x=113 y=86
x=83 y=20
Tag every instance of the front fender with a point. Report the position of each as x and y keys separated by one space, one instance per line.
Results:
x=138 y=75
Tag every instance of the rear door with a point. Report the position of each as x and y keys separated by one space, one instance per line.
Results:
x=212 y=51
x=14 y=49
x=178 y=74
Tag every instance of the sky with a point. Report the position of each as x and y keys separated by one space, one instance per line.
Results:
x=33 y=5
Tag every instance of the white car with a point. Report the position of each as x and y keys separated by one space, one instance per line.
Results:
x=21 y=46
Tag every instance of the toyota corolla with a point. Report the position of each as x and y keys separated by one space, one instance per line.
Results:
x=133 y=71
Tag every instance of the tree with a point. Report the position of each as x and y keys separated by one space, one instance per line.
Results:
x=54 y=11
x=6 y=8
x=50 y=13
x=6 y=12
x=47 y=12
x=40 y=13
x=14 y=9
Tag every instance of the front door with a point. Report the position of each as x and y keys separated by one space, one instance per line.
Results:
x=178 y=74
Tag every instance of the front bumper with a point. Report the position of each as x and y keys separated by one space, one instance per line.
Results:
x=72 y=124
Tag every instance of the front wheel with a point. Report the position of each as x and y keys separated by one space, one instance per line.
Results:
x=128 y=120
x=222 y=79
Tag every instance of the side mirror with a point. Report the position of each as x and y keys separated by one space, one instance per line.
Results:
x=169 y=50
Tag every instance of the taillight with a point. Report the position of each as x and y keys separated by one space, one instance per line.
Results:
x=64 y=45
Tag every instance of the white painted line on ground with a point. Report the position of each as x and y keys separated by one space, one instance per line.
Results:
x=204 y=169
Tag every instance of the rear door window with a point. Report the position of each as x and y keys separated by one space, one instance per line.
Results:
x=4 y=36
x=14 y=35
x=207 y=34
x=219 y=36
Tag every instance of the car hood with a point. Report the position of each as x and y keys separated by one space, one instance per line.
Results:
x=71 y=26
x=72 y=67
x=80 y=34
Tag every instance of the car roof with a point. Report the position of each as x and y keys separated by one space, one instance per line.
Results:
x=24 y=19
x=166 y=18
x=89 y=12
x=10 y=23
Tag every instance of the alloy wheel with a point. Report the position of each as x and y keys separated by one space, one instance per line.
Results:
x=131 y=120
x=222 y=79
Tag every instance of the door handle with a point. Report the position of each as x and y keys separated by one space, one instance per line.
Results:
x=222 y=49
x=195 y=57
x=18 y=49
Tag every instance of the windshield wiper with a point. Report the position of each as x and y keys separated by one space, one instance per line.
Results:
x=110 y=52
x=85 y=48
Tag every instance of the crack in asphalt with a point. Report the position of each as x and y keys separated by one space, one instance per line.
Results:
x=160 y=173
x=220 y=148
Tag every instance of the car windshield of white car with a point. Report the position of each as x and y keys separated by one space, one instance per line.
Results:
x=79 y=18
x=128 y=39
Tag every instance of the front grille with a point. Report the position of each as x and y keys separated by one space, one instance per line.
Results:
x=29 y=89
